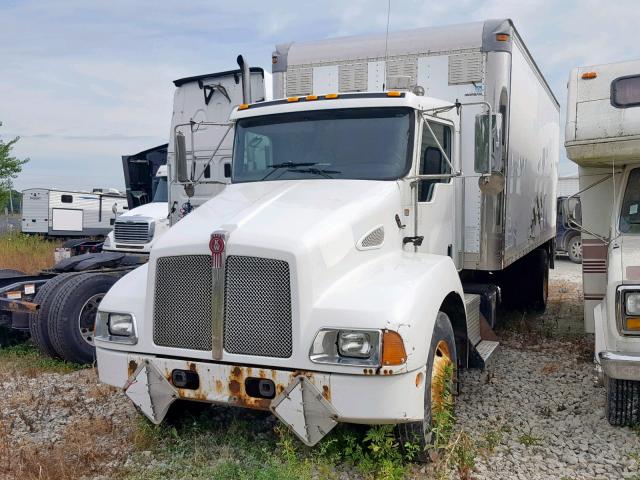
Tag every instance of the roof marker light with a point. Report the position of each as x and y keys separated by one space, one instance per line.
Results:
x=243 y=106
x=311 y=97
x=394 y=93
x=330 y=96
x=293 y=99
x=589 y=75
x=502 y=37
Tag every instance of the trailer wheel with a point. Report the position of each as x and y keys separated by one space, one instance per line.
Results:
x=438 y=393
x=73 y=314
x=623 y=402
x=574 y=249
x=39 y=321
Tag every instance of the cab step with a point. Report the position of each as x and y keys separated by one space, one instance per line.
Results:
x=483 y=341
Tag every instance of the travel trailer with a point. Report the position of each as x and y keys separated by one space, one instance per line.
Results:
x=65 y=213
x=602 y=136
x=351 y=264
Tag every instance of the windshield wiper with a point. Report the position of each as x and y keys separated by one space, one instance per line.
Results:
x=277 y=166
x=316 y=171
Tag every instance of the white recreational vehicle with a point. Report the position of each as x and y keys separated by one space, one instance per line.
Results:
x=603 y=137
x=67 y=213
x=349 y=267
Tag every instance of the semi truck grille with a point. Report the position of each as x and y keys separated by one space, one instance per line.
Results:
x=131 y=232
x=182 y=302
x=257 y=308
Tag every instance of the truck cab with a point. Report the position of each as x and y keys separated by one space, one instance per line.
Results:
x=603 y=138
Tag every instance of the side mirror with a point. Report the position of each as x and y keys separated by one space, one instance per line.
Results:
x=488 y=143
x=181 y=158
x=571 y=212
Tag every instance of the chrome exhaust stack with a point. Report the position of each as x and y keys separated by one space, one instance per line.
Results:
x=246 y=79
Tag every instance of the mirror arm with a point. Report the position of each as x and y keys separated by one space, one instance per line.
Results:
x=444 y=154
x=572 y=222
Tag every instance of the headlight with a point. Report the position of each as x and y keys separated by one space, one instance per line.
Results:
x=354 y=344
x=632 y=303
x=116 y=327
x=347 y=347
x=120 y=324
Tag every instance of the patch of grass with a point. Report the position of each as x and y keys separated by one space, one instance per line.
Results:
x=27 y=253
x=25 y=359
x=529 y=440
x=228 y=443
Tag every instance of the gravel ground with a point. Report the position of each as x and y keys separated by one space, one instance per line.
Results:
x=536 y=413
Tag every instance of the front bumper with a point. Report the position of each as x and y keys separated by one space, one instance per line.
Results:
x=367 y=399
x=621 y=366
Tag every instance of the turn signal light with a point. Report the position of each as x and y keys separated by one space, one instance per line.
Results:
x=394 y=93
x=393 y=352
x=243 y=106
x=331 y=95
x=633 y=323
x=502 y=37
x=589 y=75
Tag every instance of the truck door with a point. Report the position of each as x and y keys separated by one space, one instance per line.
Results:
x=436 y=206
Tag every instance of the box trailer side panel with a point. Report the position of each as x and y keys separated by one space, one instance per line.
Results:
x=533 y=154
x=81 y=213
x=35 y=210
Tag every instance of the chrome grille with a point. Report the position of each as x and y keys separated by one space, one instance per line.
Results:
x=257 y=309
x=131 y=232
x=182 y=302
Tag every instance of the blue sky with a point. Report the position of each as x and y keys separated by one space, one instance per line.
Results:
x=85 y=82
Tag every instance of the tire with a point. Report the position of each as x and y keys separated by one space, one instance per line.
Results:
x=623 y=402
x=421 y=434
x=574 y=249
x=72 y=318
x=39 y=321
x=539 y=278
x=8 y=273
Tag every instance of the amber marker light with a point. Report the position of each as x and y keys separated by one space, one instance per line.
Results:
x=502 y=37
x=293 y=99
x=394 y=93
x=243 y=106
x=589 y=75
x=393 y=352
x=330 y=96
x=311 y=97
x=633 y=323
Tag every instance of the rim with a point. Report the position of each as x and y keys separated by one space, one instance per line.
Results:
x=441 y=374
x=87 y=317
x=576 y=249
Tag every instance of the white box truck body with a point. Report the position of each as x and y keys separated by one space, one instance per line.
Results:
x=603 y=137
x=328 y=282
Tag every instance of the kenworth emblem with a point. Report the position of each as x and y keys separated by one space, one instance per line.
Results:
x=216 y=245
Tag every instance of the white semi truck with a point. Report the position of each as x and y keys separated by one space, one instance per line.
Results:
x=603 y=137
x=350 y=266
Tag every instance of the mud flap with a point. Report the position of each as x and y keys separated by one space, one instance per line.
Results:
x=150 y=392
x=305 y=411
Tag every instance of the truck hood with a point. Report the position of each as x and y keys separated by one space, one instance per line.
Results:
x=155 y=210
x=312 y=224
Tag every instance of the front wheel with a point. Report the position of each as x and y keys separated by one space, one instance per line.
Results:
x=574 y=249
x=433 y=431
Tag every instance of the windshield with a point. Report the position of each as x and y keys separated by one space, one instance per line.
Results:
x=630 y=212
x=160 y=195
x=365 y=143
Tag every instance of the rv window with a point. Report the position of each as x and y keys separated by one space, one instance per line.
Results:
x=625 y=91
x=431 y=159
x=66 y=199
x=630 y=212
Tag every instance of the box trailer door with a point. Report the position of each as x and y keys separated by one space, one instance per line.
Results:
x=66 y=220
x=35 y=210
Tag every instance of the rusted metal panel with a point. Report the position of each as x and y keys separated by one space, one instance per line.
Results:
x=18 y=305
x=225 y=384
